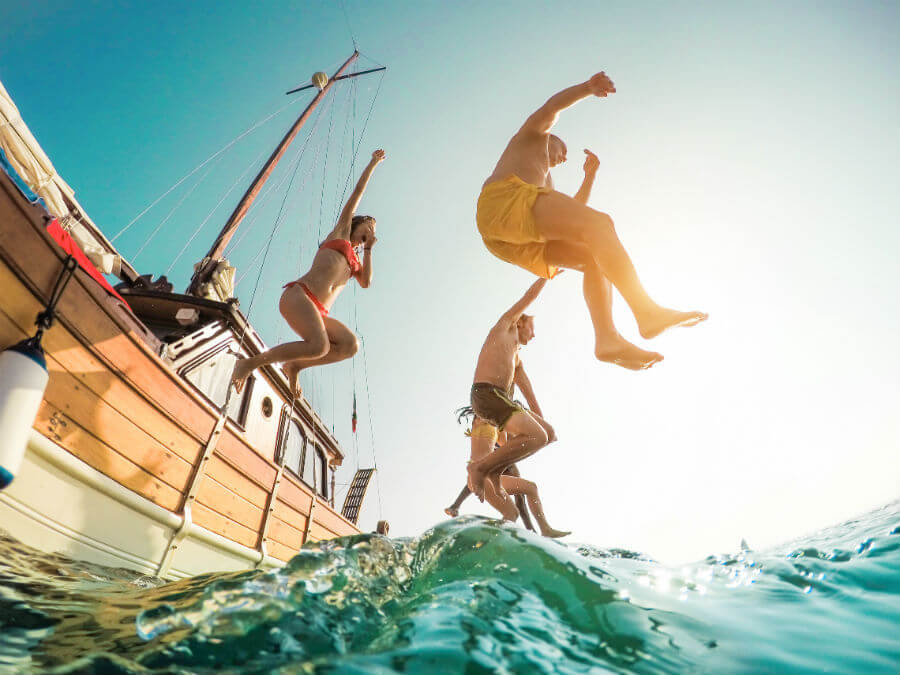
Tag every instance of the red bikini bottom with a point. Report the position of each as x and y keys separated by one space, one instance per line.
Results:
x=312 y=296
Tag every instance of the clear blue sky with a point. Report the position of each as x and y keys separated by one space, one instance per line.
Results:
x=750 y=160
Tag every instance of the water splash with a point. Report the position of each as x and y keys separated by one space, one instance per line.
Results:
x=472 y=596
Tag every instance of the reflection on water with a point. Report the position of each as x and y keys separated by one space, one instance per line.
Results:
x=470 y=596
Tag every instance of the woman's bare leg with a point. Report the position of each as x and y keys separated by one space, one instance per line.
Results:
x=304 y=319
x=453 y=509
x=520 y=486
x=609 y=345
x=525 y=437
x=558 y=217
x=343 y=345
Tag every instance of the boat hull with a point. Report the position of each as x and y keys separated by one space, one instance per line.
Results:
x=128 y=464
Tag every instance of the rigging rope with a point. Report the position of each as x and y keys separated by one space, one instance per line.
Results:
x=349 y=29
x=170 y=214
x=214 y=209
x=250 y=130
x=265 y=247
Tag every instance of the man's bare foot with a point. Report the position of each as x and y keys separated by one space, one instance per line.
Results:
x=241 y=372
x=619 y=351
x=476 y=479
x=662 y=319
x=554 y=534
x=450 y=511
x=292 y=373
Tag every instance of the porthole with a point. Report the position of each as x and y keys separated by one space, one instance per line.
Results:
x=267 y=406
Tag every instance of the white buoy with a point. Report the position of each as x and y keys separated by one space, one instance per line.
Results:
x=23 y=378
x=320 y=80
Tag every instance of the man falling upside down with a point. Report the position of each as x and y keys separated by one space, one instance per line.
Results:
x=499 y=368
x=524 y=221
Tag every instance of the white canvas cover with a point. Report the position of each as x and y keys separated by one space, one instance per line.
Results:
x=34 y=167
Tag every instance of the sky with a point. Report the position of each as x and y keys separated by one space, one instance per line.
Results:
x=750 y=160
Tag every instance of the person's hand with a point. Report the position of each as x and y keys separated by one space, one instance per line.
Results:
x=369 y=242
x=378 y=156
x=601 y=85
x=591 y=162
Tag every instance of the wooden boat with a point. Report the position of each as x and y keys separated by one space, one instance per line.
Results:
x=139 y=457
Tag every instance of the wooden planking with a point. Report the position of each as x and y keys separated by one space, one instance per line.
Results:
x=245 y=459
x=318 y=531
x=88 y=311
x=295 y=494
x=280 y=551
x=94 y=415
x=289 y=515
x=285 y=534
x=329 y=519
x=215 y=522
x=223 y=501
x=106 y=422
x=95 y=372
x=236 y=481
x=58 y=427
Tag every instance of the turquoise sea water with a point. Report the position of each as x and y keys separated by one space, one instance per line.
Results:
x=471 y=596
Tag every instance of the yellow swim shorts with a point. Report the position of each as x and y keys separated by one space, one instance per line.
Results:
x=507 y=225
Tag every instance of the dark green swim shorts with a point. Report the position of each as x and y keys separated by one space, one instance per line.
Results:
x=492 y=404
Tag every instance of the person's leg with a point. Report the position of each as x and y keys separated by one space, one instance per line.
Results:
x=513 y=470
x=343 y=344
x=453 y=509
x=609 y=346
x=500 y=500
x=520 y=486
x=525 y=437
x=559 y=217
x=304 y=319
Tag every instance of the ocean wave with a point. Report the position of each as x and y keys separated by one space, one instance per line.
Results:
x=470 y=595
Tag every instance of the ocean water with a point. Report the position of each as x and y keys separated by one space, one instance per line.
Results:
x=471 y=596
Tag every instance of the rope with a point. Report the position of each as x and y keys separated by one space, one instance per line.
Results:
x=170 y=214
x=371 y=425
x=363 y=133
x=296 y=165
x=214 y=209
x=324 y=171
x=349 y=28
x=200 y=166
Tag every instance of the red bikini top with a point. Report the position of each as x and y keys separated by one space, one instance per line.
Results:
x=345 y=248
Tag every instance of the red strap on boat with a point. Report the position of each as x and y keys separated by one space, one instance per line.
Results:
x=64 y=239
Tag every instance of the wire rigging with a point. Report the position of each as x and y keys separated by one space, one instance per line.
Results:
x=214 y=209
x=226 y=147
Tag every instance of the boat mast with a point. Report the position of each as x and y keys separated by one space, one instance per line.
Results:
x=212 y=258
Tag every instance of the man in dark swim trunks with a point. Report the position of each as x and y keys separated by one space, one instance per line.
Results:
x=499 y=368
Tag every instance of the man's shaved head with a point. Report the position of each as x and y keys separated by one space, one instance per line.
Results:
x=556 y=150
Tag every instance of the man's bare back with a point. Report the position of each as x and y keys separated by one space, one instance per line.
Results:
x=527 y=156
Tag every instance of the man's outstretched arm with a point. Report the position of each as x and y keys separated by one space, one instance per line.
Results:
x=513 y=313
x=524 y=384
x=591 y=164
x=543 y=119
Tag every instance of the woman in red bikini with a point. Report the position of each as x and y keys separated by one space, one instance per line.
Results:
x=305 y=302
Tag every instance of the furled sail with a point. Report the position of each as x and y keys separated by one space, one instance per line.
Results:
x=34 y=167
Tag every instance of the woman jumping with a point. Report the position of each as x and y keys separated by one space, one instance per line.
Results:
x=306 y=301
